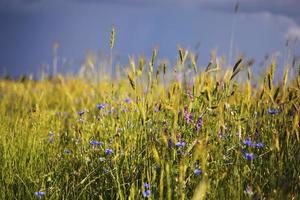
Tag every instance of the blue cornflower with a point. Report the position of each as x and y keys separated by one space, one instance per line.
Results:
x=170 y=142
x=39 y=194
x=105 y=170
x=259 y=145
x=199 y=123
x=67 y=151
x=197 y=172
x=80 y=113
x=249 y=156
x=147 y=185
x=180 y=144
x=127 y=100
x=96 y=143
x=247 y=142
x=272 y=111
x=101 y=106
x=146 y=193
x=108 y=151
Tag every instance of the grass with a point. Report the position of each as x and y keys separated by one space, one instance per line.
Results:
x=55 y=140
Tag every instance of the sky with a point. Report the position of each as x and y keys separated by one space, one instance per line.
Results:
x=29 y=28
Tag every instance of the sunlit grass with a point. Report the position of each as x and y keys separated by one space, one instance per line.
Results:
x=188 y=133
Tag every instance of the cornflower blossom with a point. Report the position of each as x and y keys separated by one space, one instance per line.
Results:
x=249 y=156
x=197 y=172
x=147 y=192
x=96 y=143
x=272 y=111
x=247 y=142
x=199 y=123
x=147 y=185
x=80 y=113
x=101 y=106
x=259 y=145
x=108 y=151
x=127 y=100
x=180 y=144
x=39 y=194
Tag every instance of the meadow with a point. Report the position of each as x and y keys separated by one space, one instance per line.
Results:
x=153 y=131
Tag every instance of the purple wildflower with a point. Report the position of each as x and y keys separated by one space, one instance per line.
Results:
x=39 y=194
x=101 y=106
x=272 y=111
x=187 y=116
x=170 y=142
x=199 y=123
x=80 y=113
x=108 y=151
x=147 y=193
x=249 y=156
x=96 y=143
x=147 y=185
x=180 y=144
x=259 y=145
x=127 y=100
x=197 y=172
x=247 y=142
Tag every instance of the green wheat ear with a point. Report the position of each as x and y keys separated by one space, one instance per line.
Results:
x=112 y=37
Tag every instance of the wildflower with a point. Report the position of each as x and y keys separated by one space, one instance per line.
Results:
x=147 y=193
x=80 y=113
x=127 y=100
x=67 y=151
x=190 y=95
x=170 y=142
x=249 y=156
x=96 y=143
x=273 y=111
x=101 y=106
x=199 y=123
x=180 y=144
x=247 y=142
x=147 y=185
x=187 y=116
x=39 y=194
x=197 y=172
x=259 y=145
x=108 y=151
